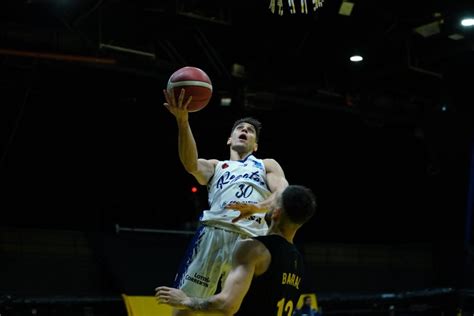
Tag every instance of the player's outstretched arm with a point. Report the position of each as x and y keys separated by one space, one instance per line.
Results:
x=201 y=169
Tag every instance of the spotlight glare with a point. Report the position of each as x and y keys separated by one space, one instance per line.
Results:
x=356 y=58
x=467 y=22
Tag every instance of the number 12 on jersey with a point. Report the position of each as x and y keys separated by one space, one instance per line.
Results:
x=287 y=308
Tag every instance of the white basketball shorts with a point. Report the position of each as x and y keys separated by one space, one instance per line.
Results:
x=207 y=260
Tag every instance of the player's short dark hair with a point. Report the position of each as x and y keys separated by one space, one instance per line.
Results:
x=299 y=203
x=252 y=121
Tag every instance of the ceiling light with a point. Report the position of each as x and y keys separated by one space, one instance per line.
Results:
x=238 y=71
x=226 y=101
x=356 y=58
x=346 y=8
x=429 y=29
x=467 y=22
x=456 y=36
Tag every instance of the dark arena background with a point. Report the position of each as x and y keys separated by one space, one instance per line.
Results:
x=96 y=206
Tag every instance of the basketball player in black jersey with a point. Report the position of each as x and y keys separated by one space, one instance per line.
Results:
x=267 y=271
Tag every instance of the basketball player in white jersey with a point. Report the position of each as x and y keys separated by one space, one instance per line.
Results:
x=241 y=190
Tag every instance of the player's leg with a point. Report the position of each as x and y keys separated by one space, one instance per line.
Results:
x=200 y=269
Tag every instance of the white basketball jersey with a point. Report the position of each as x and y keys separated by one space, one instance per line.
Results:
x=241 y=181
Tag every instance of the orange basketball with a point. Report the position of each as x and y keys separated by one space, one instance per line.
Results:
x=195 y=82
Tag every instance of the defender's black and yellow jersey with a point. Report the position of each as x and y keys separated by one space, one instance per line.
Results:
x=276 y=291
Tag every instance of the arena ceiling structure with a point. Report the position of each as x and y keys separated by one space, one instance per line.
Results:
x=83 y=130
x=410 y=50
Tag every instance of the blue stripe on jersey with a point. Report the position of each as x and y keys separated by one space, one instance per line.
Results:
x=243 y=160
x=188 y=257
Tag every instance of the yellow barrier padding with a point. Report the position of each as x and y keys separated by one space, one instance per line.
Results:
x=147 y=306
x=314 y=301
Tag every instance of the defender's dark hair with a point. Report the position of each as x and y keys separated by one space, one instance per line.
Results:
x=252 y=121
x=299 y=203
